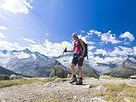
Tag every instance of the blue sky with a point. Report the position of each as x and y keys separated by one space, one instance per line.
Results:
x=56 y=20
x=67 y=16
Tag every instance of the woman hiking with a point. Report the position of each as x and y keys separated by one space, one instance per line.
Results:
x=78 y=58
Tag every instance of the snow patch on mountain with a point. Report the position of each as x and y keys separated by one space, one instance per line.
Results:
x=27 y=62
x=22 y=55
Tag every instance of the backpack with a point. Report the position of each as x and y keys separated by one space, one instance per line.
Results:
x=86 y=48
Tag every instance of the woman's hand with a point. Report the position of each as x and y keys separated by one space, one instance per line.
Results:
x=81 y=56
x=65 y=50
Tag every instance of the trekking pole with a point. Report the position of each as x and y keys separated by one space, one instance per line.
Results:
x=57 y=63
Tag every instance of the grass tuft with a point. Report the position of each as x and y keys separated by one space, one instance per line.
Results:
x=45 y=100
x=118 y=93
x=7 y=83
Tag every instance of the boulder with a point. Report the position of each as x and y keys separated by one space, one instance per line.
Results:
x=56 y=71
x=13 y=76
x=133 y=77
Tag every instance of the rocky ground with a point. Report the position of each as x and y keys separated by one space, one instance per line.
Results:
x=60 y=90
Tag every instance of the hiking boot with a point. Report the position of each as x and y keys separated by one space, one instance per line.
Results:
x=79 y=82
x=74 y=79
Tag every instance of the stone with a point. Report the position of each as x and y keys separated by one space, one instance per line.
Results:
x=133 y=77
x=13 y=76
x=105 y=77
x=87 y=86
x=101 y=88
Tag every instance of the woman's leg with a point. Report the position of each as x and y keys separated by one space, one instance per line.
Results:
x=80 y=71
x=73 y=69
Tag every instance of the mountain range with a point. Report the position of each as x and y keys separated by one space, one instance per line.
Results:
x=106 y=65
x=28 y=63
x=4 y=71
x=35 y=64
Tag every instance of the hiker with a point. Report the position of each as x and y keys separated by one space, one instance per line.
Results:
x=78 y=58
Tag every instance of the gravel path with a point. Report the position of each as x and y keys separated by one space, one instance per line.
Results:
x=59 y=89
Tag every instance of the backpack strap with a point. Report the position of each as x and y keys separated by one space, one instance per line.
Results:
x=81 y=45
x=79 y=42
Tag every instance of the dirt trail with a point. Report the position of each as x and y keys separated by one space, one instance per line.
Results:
x=59 y=89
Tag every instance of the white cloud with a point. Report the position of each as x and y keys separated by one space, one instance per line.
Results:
x=3 y=28
x=29 y=40
x=5 y=45
x=107 y=37
x=16 y=6
x=91 y=48
x=101 y=51
x=2 y=17
x=55 y=49
x=91 y=32
x=128 y=35
x=2 y=36
x=48 y=48
x=123 y=51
